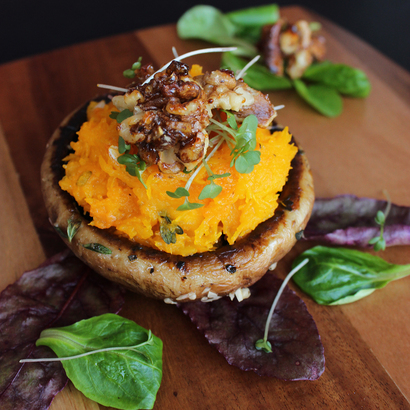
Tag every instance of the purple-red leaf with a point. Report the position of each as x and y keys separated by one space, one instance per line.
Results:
x=58 y=293
x=233 y=328
x=349 y=220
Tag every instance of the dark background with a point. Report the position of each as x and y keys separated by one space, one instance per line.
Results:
x=29 y=27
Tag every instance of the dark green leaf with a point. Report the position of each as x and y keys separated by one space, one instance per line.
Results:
x=96 y=247
x=122 y=146
x=72 y=228
x=324 y=99
x=347 y=80
x=257 y=76
x=211 y=190
x=179 y=193
x=341 y=275
x=126 y=377
x=187 y=206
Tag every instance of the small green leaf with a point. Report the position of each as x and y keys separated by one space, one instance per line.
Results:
x=129 y=73
x=264 y=345
x=114 y=115
x=137 y=64
x=380 y=218
x=124 y=114
x=211 y=190
x=217 y=176
x=187 y=206
x=97 y=247
x=169 y=230
x=179 y=193
x=245 y=163
x=72 y=228
x=122 y=146
x=231 y=120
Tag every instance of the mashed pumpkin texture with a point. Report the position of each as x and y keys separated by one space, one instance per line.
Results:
x=114 y=198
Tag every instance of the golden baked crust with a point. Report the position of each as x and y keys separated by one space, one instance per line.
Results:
x=161 y=275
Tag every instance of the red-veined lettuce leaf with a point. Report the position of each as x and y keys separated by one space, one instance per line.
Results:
x=233 y=328
x=349 y=220
x=60 y=292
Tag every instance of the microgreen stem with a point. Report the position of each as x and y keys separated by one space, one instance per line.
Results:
x=112 y=87
x=275 y=302
x=190 y=54
x=224 y=127
x=106 y=349
x=190 y=180
x=243 y=71
x=388 y=207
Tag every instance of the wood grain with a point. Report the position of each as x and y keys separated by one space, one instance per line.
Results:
x=362 y=152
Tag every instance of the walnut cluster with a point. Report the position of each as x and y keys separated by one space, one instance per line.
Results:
x=291 y=48
x=171 y=112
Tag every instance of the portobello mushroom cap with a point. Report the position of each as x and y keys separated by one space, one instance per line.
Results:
x=161 y=275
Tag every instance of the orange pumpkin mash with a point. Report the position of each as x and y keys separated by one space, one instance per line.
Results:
x=114 y=198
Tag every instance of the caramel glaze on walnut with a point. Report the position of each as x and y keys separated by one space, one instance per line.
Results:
x=160 y=275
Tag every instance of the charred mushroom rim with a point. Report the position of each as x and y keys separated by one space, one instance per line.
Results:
x=169 y=112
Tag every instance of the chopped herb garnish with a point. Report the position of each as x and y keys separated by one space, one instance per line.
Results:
x=169 y=230
x=97 y=247
x=72 y=228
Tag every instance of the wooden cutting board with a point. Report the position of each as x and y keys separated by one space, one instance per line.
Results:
x=362 y=152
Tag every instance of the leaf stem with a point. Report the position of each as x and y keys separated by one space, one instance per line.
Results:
x=264 y=343
x=106 y=349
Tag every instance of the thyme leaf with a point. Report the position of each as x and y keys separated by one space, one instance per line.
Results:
x=97 y=247
x=72 y=228
x=168 y=230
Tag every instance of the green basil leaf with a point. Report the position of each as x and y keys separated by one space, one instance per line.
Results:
x=249 y=22
x=255 y=16
x=340 y=275
x=257 y=76
x=324 y=99
x=97 y=247
x=205 y=23
x=210 y=24
x=72 y=228
x=211 y=190
x=124 y=115
x=122 y=365
x=179 y=193
x=187 y=206
x=345 y=79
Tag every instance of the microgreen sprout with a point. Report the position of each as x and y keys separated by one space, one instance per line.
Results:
x=121 y=116
x=378 y=242
x=134 y=165
x=264 y=344
x=130 y=72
